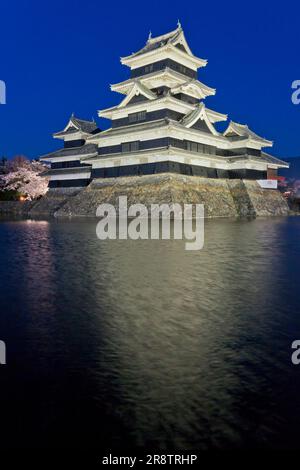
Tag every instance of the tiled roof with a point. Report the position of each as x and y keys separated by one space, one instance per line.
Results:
x=76 y=125
x=189 y=117
x=270 y=159
x=85 y=126
x=244 y=131
x=86 y=149
x=159 y=41
x=265 y=157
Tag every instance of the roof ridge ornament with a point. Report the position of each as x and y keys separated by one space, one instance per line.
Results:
x=150 y=35
x=178 y=24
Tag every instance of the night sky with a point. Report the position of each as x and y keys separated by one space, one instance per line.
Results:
x=59 y=57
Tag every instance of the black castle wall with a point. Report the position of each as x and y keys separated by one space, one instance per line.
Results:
x=74 y=183
x=161 y=65
x=173 y=167
x=150 y=116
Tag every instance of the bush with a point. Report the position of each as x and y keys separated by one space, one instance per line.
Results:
x=9 y=195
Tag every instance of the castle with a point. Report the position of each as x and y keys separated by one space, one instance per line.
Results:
x=162 y=125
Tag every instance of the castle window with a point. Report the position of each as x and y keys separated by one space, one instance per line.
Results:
x=200 y=148
x=137 y=117
x=194 y=147
x=210 y=150
x=180 y=68
x=149 y=68
x=130 y=146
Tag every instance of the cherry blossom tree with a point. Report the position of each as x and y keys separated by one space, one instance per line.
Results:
x=24 y=177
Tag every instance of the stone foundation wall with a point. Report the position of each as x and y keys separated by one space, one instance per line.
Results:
x=45 y=206
x=241 y=198
x=153 y=189
x=52 y=201
x=221 y=197
x=266 y=201
x=15 y=208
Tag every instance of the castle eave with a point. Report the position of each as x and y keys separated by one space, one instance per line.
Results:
x=174 y=154
x=167 y=51
x=164 y=75
x=168 y=101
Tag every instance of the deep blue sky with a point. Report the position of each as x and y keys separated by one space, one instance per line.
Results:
x=59 y=57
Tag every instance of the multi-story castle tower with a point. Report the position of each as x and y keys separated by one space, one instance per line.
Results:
x=162 y=124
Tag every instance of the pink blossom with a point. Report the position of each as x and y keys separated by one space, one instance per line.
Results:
x=24 y=176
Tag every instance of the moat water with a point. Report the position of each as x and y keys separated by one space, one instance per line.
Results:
x=143 y=345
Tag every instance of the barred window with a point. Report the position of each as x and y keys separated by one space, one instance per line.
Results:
x=130 y=146
x=132 y=117
x=149 y=68
x=137 y=117
x=180 y=68
x=200 y=148
x=210 y=150
x=134 y=146
x=126 y=147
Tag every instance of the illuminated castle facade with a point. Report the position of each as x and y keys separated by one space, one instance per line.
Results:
x=161 y=125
